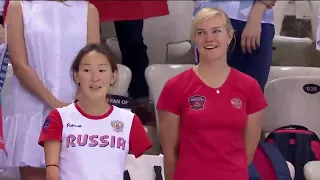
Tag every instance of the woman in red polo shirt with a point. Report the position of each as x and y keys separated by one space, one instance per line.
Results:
x=210 y=115
x=128 y=17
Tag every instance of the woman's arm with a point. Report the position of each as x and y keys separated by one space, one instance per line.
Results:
x=250 y=37
x=18 y=57
x=252 y=134
x=52 y=154
x=169 y=124
x=93 y=25
x=269 y=3
x=255 y=105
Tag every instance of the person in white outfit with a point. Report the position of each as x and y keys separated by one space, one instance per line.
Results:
x=90 y=139
x=43 y=39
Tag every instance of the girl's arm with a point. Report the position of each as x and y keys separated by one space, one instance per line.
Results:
x=93 y=25
x=52 y=154
x=18 y=57
x=51 y=138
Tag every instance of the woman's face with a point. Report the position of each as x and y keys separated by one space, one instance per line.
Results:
x=95 y=75
x=212 y=38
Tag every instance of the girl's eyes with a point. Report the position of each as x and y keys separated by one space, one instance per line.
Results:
x=88 y=70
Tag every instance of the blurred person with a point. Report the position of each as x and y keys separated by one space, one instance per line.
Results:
x=128 y=17
x=5 y=7
x=210 y=115
x=107 y=133
x=254 y=32
x=43 y=39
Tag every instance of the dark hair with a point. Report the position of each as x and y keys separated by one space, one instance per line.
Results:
x=89 y=48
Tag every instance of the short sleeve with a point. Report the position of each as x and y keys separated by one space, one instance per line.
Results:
x=138 y=140
x=256 y=101
x=169 y=99
x=52 y=128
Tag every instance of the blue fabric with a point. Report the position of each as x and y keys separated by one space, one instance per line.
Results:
x=253 y=173
x=238 y=10
x=4 y=67
x=277 y=159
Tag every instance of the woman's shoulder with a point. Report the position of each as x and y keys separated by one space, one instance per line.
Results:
x=180 y=80
x=242 y=80
x=15 y=6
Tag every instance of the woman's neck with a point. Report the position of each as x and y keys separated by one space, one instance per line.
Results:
x=212 y=68
x=94 y=107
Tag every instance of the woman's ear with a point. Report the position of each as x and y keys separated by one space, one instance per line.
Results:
x=114 y=77
x=76 y=77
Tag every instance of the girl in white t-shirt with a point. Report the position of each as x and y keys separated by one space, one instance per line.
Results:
x=90 y=139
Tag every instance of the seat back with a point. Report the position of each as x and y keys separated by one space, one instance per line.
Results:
x=311 y=170
x=289 y=71
x=158 y=74
x=177 y=27
x=290 y=51
x=123 y=81
x=292 y=101
x=142 y=168
x=291 y=169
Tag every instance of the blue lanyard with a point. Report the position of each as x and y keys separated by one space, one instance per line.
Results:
x=4 y=67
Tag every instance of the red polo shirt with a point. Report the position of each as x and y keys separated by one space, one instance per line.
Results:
x=212 y=124
x=130 y=10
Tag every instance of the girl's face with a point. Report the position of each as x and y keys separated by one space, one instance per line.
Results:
x=95 y=76
x=212 y=38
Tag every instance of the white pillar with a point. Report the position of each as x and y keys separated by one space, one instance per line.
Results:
x=279 y=12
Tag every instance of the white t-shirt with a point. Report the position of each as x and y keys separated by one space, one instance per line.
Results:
x=94 y=147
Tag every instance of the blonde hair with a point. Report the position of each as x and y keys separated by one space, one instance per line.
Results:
x=207 y=13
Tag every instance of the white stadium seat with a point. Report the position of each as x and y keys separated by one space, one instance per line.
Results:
x=290 y=104
x=142 y=168
x=289 y=71
x=123 y=81
x=291 y=169
x=290 y=50
x=312 y=170
x=158 y=74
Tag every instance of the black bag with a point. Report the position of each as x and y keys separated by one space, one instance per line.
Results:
x=298 y=145
x=157 y=170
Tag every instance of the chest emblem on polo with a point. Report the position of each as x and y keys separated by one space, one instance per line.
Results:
x=197 y=102
x=117 y=126
x=236 y=103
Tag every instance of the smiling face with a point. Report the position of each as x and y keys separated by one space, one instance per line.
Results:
x=212 y=37
x=95 y=75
